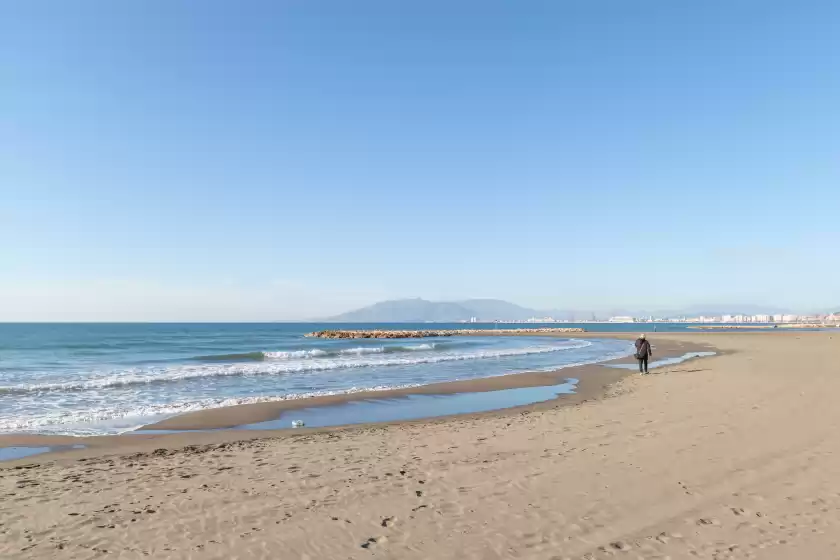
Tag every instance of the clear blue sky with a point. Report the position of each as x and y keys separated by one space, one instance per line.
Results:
x=289 y=159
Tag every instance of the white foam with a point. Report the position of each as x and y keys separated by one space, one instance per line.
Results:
x=362 y=350
x=121 y=419
x=419 y=347
x=295 y=354
x=92 y=409
x=284 y=367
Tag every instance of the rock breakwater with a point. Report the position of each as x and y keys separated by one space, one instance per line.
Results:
x=437 y=333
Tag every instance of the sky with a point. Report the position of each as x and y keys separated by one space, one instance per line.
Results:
x=263 y=160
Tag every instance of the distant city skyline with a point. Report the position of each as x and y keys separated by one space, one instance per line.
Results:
x=164 y=161
x=417 y=310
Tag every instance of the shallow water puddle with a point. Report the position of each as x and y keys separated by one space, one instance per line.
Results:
x=19 y=452
x=664 y=362
x=413 y=407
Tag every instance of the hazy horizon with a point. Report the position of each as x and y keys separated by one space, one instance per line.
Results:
x=584 y=313
x=282 y=161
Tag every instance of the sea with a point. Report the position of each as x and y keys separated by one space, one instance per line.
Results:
x=89 y=379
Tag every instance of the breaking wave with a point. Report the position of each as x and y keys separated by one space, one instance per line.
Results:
x=314 y=353
x=289 y=363
x=125 y=418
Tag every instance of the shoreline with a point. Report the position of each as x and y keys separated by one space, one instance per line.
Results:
x=592 y=379
x=219 y=424
x=733 y=456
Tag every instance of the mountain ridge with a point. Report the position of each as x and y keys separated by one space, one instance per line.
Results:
x=418 y=310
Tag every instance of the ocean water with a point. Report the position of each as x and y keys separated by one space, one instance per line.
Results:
x=85 y=379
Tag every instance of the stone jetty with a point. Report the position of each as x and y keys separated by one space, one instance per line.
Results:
x=437 y=333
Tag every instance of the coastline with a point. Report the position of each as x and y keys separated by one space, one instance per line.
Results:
x=593 y=379
x=731 y=456
x=218 y=424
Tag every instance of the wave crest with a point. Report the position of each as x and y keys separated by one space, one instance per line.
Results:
x=313 y=353
x=281 y=366
x=122 y=419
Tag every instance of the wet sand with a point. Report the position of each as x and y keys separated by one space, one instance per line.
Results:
x=593 y=381
x=732 y=456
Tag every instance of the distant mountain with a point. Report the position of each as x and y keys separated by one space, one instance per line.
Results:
x=420 y=310
x=496 y=309
x=405 y=311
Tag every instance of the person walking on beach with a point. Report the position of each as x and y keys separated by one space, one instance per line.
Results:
x=643 y=352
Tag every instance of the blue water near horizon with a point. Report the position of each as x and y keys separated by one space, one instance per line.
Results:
x=105 y=378
x=100 y=378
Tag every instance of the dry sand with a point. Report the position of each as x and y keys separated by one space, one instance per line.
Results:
x=734 y=456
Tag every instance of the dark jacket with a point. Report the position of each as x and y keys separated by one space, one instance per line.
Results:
x=643 y=348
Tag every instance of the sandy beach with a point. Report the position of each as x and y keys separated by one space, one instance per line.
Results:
x=732 y=456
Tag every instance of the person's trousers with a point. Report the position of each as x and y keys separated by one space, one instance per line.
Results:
x=643 y=362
